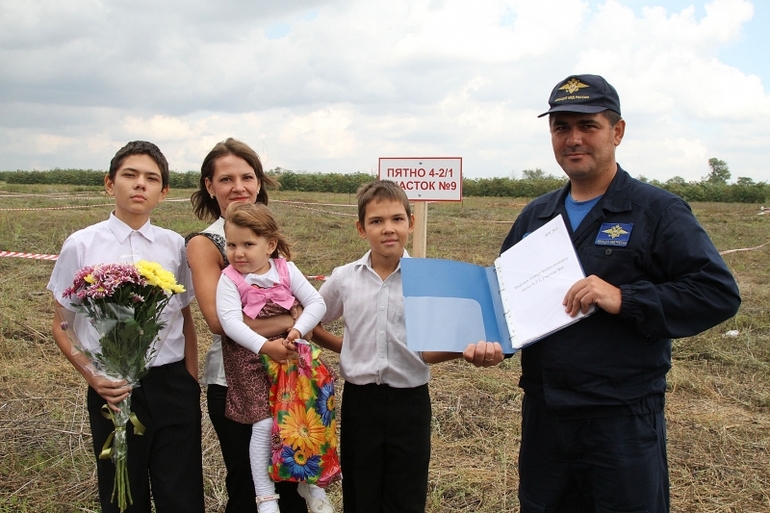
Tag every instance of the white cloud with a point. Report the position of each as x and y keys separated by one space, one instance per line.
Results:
x=333 y=85
x=159 y=127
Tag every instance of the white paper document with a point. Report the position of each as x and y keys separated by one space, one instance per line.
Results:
x=518 y=301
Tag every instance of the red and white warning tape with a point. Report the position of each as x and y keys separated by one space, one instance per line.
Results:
x=743 y=249
x=41 y=256
x=35 y=256
x=296 y=204
x=176 y=200
x=59 y=208
x=316 y=204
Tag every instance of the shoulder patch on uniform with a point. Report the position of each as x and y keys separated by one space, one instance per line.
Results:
x=614 y=234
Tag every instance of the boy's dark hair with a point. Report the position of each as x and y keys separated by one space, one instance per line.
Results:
x=380 y=190
x=140 y=148
x=261 y=221
x=206 y=207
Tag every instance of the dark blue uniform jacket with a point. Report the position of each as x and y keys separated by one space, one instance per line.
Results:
x=674 y=284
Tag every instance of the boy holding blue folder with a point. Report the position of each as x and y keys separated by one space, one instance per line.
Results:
x=386 y=412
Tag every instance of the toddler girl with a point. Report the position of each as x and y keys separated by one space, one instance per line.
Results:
x=261 y=282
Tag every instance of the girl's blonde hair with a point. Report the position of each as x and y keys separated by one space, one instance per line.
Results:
x=259 y=219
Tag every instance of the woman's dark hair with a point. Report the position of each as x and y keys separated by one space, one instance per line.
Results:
x=206 y=207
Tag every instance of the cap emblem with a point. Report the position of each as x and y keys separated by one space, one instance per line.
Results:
x=573 y=85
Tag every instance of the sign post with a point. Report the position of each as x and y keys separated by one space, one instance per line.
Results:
x=420 y=235
x=424 y=180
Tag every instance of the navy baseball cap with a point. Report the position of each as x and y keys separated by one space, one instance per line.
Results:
x=583 y=93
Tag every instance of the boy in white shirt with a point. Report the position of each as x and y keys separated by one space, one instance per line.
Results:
x=386 y=412
x=166 y=461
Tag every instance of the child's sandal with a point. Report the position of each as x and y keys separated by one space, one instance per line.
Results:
x=314 y=504
x=267 y=498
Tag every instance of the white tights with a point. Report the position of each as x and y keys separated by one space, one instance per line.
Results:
x=259 y=456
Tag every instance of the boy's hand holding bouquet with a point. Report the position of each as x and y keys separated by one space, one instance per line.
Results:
x=123 y=303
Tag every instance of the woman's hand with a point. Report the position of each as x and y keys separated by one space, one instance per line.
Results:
x=279 y=349
x=295 y=311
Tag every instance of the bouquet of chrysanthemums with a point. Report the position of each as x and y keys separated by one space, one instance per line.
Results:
x=123 y=303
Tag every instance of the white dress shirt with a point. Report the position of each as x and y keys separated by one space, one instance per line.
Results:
x=113 y=241
x=374 y=341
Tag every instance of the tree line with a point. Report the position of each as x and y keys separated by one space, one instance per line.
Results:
x=533 y=182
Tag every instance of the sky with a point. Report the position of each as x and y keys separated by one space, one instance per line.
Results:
x=333 y=85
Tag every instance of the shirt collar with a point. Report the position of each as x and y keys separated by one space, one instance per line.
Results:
x=122 y=231
x=617 y=197
x=366 y=260
x=217 y=227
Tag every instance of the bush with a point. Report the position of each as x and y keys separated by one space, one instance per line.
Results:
x=320 y=182
x=745 y=191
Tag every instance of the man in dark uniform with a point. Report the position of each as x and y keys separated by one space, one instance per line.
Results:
x=593 y=429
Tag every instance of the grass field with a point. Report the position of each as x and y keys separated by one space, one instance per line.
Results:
x=718 y=402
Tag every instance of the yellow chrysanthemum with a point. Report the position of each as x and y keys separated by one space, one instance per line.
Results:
x=303 y=429
x=157 y=276
x=89 y=278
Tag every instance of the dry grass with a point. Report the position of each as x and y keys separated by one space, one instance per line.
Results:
x=719 y=388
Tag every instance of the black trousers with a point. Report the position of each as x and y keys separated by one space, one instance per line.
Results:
x=234 y=440
x=385 y=448
x=165 y=462
x=609 y=464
